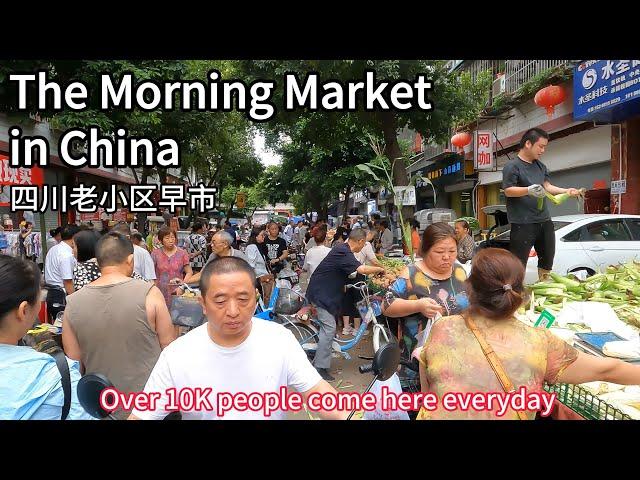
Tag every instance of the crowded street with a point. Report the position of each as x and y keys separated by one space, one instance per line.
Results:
x=205 y=250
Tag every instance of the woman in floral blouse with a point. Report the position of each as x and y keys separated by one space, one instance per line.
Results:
x=86 y=269
x=434 y=285
x=452 y=359
x=172 y=264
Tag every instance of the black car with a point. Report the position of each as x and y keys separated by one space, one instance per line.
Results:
x=498 y=236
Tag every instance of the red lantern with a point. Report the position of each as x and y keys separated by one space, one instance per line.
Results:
x=461 y=140
x=549 y=97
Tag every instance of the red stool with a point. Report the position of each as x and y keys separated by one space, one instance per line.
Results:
x=42 y=315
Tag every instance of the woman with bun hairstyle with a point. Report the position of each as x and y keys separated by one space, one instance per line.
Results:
x=454 y=360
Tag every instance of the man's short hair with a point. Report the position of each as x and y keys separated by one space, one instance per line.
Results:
x=113 y=249
x=122 y=228
x=225 y=236
x=384 y=223
x=222 y=266
x=69 y=231
x=533 y=135
x=137 y=236
x=319 y=234
x=357 y=234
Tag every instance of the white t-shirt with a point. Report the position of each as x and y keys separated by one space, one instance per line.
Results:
x=313 y=258
x=143 y=263
x=268 y=359
x=366 y=255
x=288 y=233
x=59 y=265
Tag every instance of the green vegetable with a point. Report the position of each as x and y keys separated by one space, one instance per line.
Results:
x=550 y=292
x=558 y=199
x=618 y=287
x=567 y=281
x=542 y=286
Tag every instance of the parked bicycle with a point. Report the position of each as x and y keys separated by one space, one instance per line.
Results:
x=287 y=307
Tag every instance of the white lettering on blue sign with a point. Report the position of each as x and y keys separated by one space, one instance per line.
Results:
x=607 y=70
x=622 y=66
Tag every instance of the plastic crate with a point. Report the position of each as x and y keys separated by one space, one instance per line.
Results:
x=584 y=403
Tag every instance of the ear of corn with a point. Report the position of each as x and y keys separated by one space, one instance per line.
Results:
x=558 y=199
x=619 y=287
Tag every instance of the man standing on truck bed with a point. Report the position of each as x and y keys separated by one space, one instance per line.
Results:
x=524 y=180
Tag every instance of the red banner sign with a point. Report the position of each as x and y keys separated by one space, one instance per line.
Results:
x=16 y=176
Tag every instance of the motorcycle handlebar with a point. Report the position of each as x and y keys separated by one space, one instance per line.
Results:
x=366 y=368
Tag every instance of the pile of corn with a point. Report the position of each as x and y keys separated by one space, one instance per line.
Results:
x=619 y=286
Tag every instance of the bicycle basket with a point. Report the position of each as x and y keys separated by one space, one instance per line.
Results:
x=186 y=312
x=288 y=302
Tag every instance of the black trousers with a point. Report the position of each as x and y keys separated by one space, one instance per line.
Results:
x=57 y=296
x=540 y=236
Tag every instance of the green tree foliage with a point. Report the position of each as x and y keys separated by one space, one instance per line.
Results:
x=452 y=97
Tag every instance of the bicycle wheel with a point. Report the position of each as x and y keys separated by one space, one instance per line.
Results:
x=382 y=336
x=306 y=336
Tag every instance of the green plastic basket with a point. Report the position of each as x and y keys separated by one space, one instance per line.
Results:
x=584 y=403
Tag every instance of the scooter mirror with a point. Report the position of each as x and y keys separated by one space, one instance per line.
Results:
x=386 y=361
x=89 y=388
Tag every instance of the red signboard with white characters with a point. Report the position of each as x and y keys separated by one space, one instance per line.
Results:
x=92 y=217
x=121 y=215
x=16 y=176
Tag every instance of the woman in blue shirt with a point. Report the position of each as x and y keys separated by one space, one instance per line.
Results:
x=30 y=382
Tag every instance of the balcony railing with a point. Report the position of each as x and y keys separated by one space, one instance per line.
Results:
x=431 y=151
x=475 y=67
x=519 y=72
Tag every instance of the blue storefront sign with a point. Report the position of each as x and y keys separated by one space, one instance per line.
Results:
x=446 y=171
x=606 y=90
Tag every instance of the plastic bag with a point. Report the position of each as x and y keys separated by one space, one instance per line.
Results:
x=393 y=384
x=599 y=317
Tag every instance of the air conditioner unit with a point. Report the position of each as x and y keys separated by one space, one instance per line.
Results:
x=499 y=86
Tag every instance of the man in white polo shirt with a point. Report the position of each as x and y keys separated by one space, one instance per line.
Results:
x=232 y=353
x=58 y=270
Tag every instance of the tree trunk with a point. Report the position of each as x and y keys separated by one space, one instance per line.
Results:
x=316 y=206
x=230 y=210
x=142 y=216
x=135 y=175
x=392 y=148
x=393 y=152
x=346 y=203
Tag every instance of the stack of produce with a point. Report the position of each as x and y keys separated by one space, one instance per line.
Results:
x=393 y=268
x=619 y=287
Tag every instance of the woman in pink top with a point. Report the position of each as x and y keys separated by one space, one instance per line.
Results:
x=172 y=264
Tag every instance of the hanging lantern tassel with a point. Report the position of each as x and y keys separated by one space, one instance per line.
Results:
x=461 y=140
x=549 y=97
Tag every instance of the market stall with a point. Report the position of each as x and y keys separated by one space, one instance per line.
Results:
x=599 y=315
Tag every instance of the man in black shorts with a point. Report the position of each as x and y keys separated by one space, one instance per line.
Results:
x=524 y=180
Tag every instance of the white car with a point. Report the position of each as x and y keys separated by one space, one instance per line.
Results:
x=590 y=242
